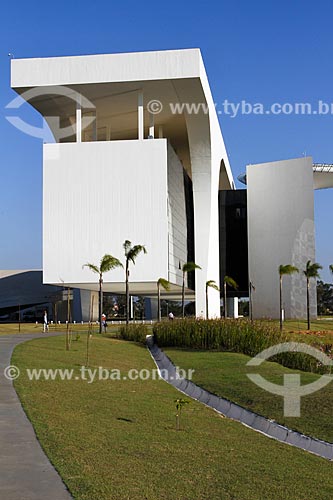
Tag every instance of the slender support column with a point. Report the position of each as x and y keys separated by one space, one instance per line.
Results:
x=78 y=121
x=151 y=126
x=160 y=132
x=140 y=116
x=95 y=128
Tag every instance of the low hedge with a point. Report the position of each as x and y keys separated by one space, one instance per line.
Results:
x=135 y=333
x=243 y=336
x=224 y=335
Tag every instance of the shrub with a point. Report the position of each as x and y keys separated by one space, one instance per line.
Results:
x=241 y=336
x=135 y=333
x=226 y=335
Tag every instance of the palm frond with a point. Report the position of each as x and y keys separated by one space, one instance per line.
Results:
x=109 y=262
x=331 y=268
x=212 y=284
x=311 y=270
x=134 y=252
x=164 y=283
x=188 y=267
x=230 y=282
x=92 y=268
x=287 y=269
x=127 y=246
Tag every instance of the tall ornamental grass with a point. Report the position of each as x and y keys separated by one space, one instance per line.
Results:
x=223 y=335
x=243 y=336
x=135 y=333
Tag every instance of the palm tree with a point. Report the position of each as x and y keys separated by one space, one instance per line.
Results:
x=131 y=254
x=285 y=270
x=228 y=282
x=210 y=284
x=161 y=282
x=311 y=271
x=108 y=262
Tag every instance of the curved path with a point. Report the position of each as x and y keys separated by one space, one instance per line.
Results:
x=25 y=471
x=231 y=410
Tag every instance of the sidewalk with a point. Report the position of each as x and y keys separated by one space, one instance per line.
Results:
x=26 y=473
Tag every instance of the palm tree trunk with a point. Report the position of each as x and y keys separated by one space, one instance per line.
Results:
x=183 y=296
x=127 y=295
x=159 y=301
x=281 y=322
x=206 y=302
x=308 y=301
x=225 y=299
x=100 y=312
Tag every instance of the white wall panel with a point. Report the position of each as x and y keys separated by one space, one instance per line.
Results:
x=280 y=231
x=98 y=194
x=177 y=217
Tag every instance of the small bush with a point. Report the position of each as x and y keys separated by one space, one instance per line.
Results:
x=135 y=333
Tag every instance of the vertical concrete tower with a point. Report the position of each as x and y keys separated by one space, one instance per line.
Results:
x=280 y=231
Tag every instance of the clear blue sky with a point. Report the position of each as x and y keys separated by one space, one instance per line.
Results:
x=260 y=51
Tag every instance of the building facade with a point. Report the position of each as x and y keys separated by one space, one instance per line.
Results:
x=130 y=161
x=135 y=152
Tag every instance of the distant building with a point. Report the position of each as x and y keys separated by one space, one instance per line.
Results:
x=23 y=294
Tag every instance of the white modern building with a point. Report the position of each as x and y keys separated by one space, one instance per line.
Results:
x=138 y=155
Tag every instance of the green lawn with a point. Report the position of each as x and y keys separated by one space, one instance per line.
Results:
x=13 y=328
x=117 y=440
x=321 y=325
x=224 y=374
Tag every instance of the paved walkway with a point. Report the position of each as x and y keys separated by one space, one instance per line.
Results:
x=25 y=471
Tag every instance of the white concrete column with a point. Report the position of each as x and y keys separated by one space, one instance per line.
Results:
x=232 y=307
x=151 y=126
x=131 y=307
x=140 y=116
x=78 y=120
x=94 y=124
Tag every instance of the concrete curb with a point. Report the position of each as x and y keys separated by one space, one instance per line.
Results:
x=231 y=410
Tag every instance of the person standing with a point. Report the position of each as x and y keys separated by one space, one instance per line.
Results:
x=45 y=322
x=104 y=323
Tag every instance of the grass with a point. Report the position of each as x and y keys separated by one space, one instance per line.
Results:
x=241 y=336
x=117 y=440
x=224 y=374
x=28 y=328
x=321 y=325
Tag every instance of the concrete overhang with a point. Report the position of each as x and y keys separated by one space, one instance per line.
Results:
x=111 y=83
x=322 y=176
x=148 y=289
